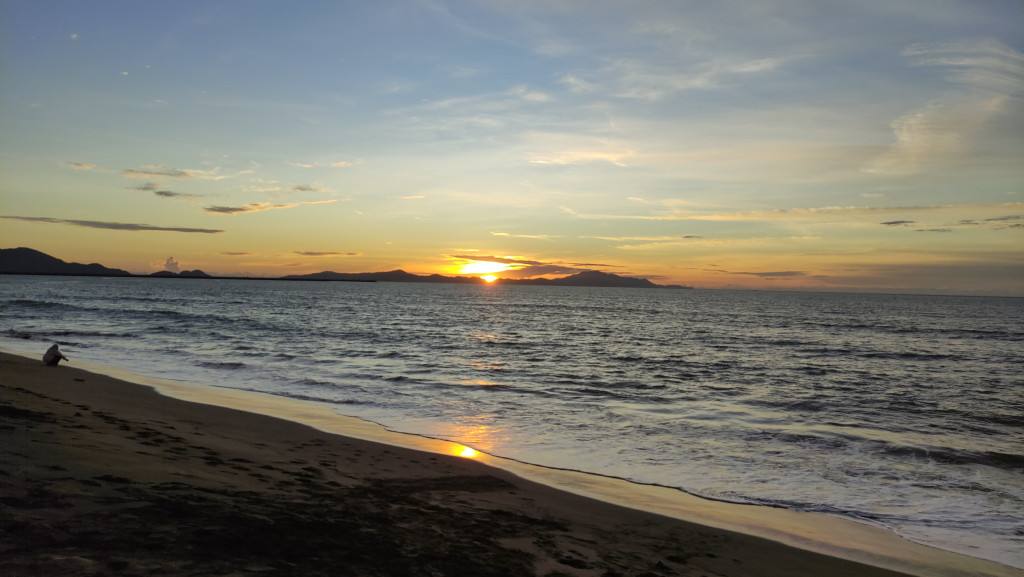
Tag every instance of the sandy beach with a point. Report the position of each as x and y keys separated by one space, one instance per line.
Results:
x=106 y=477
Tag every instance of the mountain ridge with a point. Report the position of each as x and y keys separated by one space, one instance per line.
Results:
x=29 y=261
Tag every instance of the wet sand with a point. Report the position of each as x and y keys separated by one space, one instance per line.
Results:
x=106 y=477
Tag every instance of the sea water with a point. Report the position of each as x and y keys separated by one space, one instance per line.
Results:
x=902 y=411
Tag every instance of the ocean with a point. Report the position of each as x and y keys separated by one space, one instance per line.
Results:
x=902 y=411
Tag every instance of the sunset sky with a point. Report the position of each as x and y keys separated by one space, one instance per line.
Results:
x=872 y=145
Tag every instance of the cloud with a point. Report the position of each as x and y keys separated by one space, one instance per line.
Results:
x=497 y=259
x=934 y=230
x=756 y=65
x=305 y=188
x=577 y=84
x=593 y=265
x=648 y=80
x=336 y=164
x=530 y=95
x=155 y=189
x=532 y=236
x=924 y=138
x=172 y=194
x=155 y=171
x=645 y=238
x=542 y=270
x=983 y=63
x=159 y=171
x=817 y=214
x=84 y=166
x=310 y=253
x=954 y=126
x=566 y=149
x=767 y=275
x=260 y=206
x=237 y=253
x=171 y=264
x=897 y=222
x=112 y=225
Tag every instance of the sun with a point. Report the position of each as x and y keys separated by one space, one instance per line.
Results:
x=489 y=278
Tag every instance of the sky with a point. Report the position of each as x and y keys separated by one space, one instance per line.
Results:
x=778 y=144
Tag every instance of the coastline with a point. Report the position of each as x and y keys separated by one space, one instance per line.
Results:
x=86 y=447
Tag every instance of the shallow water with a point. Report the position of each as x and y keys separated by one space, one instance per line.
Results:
x=902 y=411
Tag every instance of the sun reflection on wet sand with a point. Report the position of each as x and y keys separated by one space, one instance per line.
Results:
x=484 y=437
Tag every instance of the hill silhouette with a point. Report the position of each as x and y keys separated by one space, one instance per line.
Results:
x=29 y=261
x=590 y=278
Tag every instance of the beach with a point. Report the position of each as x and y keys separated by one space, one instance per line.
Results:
x=103 y=476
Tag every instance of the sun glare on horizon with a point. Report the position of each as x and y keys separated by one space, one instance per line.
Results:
x=489 y=278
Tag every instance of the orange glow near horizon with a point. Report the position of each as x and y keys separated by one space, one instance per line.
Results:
x=466 y=452
x=489 y=278
x=483 y=267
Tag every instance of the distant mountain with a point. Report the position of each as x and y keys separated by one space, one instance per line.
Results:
x=28 y=261
x=590 y=278
x=389 y=276
x=183 y=274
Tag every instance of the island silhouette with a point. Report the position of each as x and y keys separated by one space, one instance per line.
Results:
x=27 y=261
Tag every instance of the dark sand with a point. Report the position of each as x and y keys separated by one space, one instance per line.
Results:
x=104 y=477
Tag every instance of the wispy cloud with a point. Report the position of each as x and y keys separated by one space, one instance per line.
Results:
x=84 y=166
x=155 y=171
x=162 y=192
x=497 y=259
x=765 y=274
x=577 y=84
x=261 y=206
x=897 y=222
x=985 y=75
x=564 y=149
x=645 y=238
x=532 y=236
x=317 y=164
x=979 y=63
x=112 y=225
x=159 y=171
x=820 y=214
x=649 y=80
x=530 y=95
x=530 y=271
x=313 y=253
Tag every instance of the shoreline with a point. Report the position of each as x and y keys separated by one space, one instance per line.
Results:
x=722 y=538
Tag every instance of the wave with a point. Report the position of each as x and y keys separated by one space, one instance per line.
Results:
x=221 y=365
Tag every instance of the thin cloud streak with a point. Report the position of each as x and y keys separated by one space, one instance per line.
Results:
x=260 y=206
x=798 y=214
x=112 y=225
